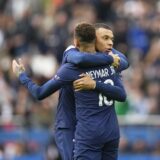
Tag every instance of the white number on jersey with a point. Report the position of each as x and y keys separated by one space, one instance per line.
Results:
x=102 y=99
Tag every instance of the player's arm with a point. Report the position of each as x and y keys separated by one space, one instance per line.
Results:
x=124 y=64
x=116 y=92
x=38 y=92
x=72 y=55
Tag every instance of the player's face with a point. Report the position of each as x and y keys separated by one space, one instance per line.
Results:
x=104 y=40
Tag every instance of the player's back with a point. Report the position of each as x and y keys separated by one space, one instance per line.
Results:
x=65 y=115
x=96 y=117
x=95 y=114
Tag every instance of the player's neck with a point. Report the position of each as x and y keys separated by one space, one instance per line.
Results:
x=87 y=48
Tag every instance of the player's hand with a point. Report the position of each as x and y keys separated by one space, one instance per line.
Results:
x=84 y=83
x=116 y=60
x=17 y=67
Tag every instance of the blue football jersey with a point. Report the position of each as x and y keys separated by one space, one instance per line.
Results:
x=95 y=113
x=65 y=116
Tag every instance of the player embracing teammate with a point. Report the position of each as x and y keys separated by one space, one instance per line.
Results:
x=90 y=119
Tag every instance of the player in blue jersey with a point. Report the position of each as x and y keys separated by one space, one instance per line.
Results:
x=62 y=78
x=104 y=43
x=65 y=117
x=89 y=146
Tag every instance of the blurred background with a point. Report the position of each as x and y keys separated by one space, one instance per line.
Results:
x=39 y=31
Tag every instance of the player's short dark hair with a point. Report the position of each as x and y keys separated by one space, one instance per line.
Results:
x=102 y=25
x=85 y=32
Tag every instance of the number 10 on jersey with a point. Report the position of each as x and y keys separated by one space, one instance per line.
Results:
x=102 y=99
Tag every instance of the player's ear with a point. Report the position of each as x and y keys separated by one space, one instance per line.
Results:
x=76 y=42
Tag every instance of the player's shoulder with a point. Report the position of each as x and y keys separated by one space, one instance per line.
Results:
x=114 y=51
x=68 y=67
x=69 y=50
x=70 y=47
x=67 y=71
x=120 y=54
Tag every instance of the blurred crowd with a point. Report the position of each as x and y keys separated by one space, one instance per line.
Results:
x=38 y=32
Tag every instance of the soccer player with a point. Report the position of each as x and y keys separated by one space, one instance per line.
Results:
x=66 y=129
x=66 y=75
x=65 y=117
x=104 y=42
